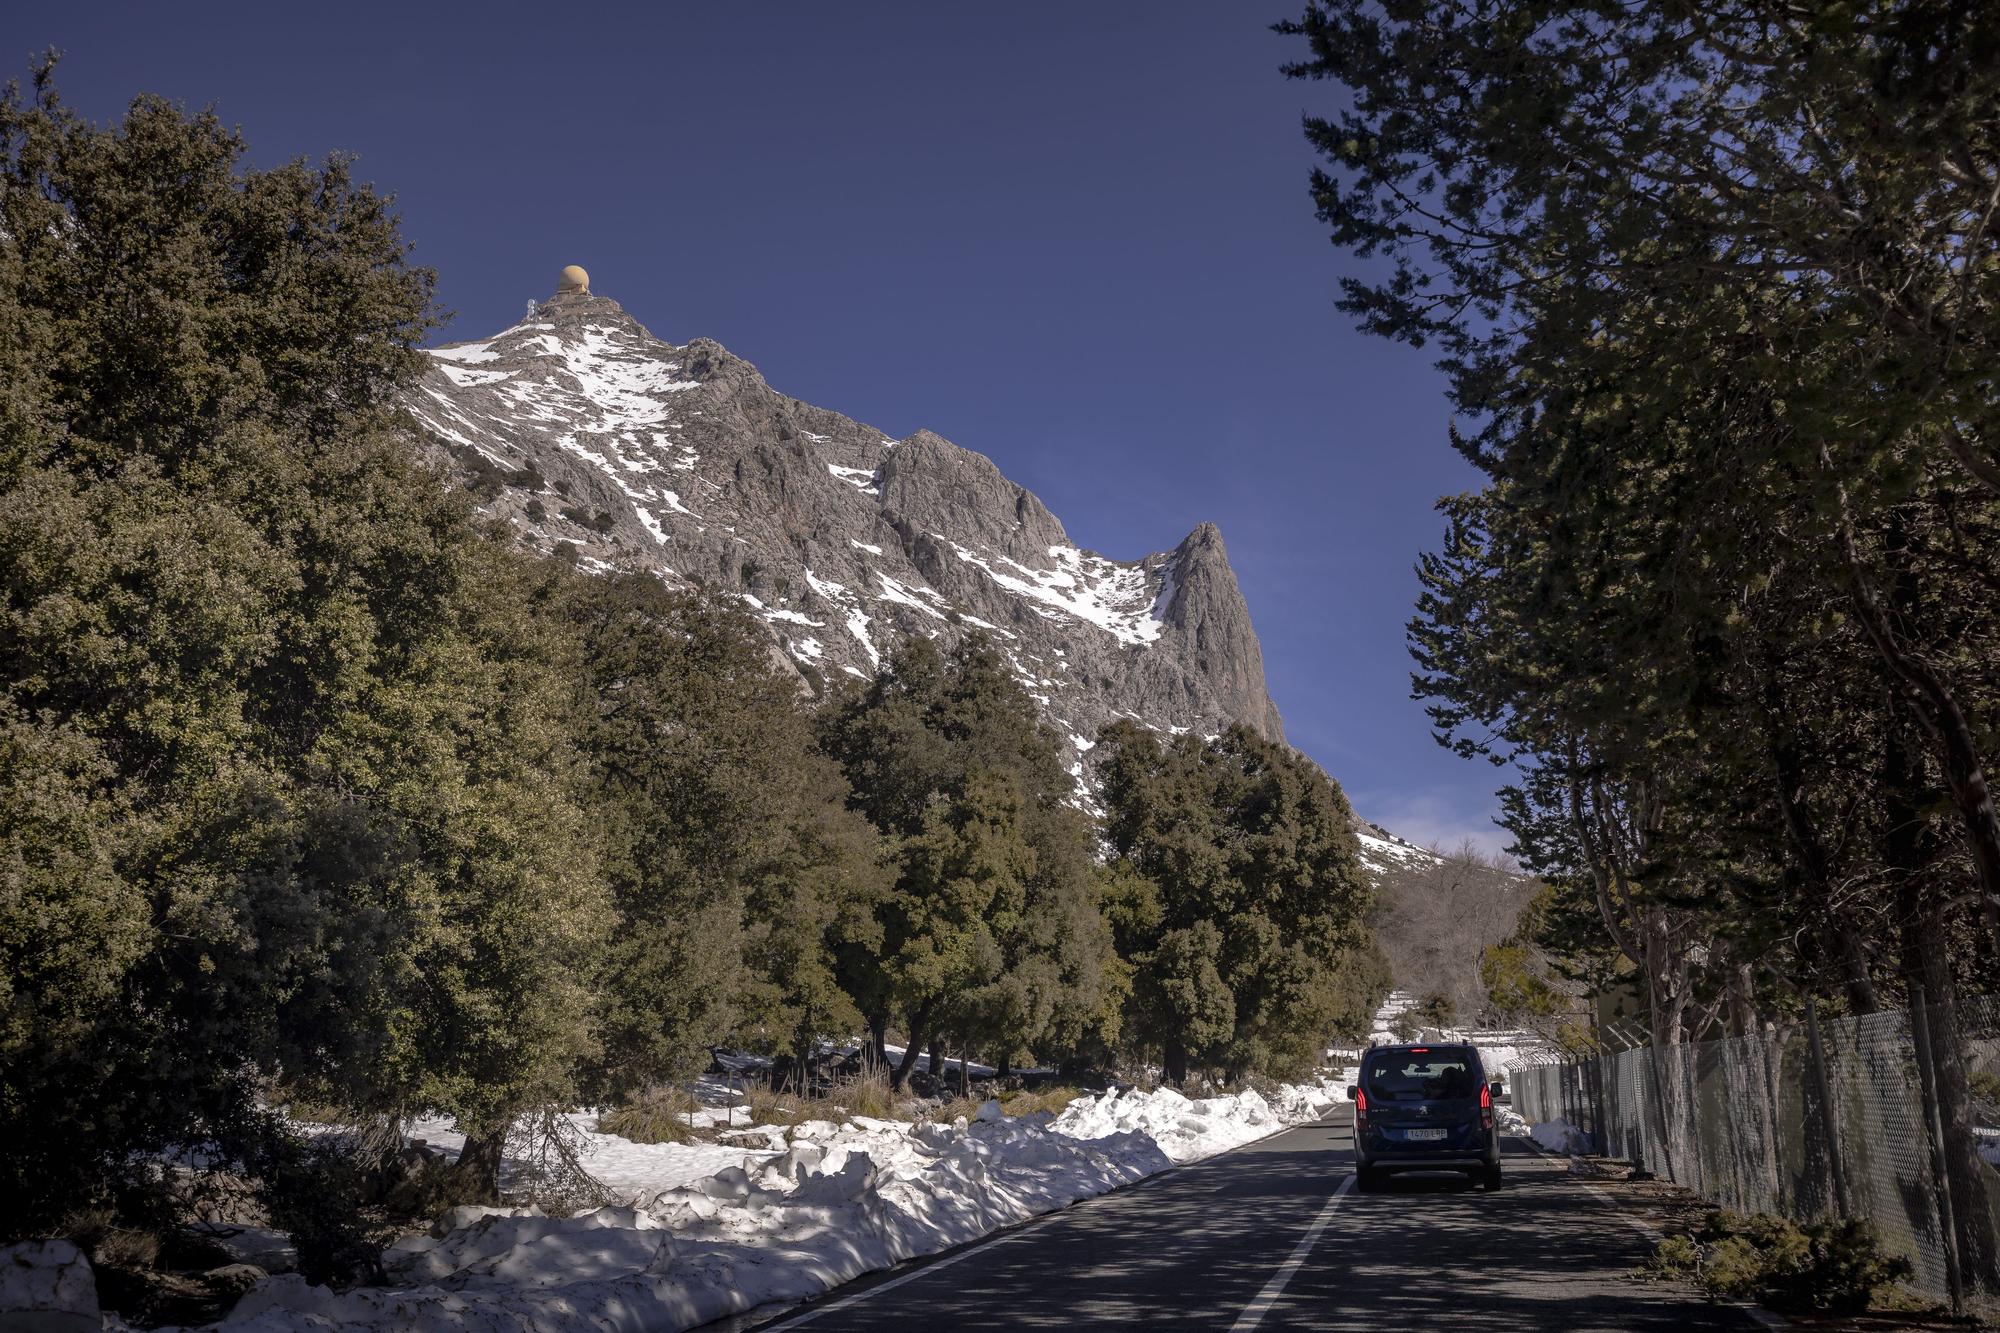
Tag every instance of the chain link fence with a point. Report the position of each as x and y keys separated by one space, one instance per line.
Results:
x=1887 y=1117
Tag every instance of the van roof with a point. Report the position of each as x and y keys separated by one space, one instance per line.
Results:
x=1422 y=1048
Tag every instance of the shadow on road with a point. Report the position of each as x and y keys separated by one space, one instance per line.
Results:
x=1189 y=1250
x=1193 y=1249
x=1429 y=1251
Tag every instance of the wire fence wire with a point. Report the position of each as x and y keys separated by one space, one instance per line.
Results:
x=1887 y=1117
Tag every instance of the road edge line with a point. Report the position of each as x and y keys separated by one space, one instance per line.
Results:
x=1253 y=1313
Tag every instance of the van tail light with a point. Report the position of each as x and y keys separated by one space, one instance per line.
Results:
x=1360 y=1113
x=1486 y=1106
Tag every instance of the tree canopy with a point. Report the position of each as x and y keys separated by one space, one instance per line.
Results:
x=1714 y=287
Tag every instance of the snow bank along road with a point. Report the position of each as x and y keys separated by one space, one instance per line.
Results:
x=1273 y=1236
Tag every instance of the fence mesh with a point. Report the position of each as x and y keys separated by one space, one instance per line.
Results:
x=1815 y=1120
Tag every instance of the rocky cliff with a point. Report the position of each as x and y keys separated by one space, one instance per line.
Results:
x=579 y=426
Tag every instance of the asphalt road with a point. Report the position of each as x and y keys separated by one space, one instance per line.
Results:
x=1273 y=1236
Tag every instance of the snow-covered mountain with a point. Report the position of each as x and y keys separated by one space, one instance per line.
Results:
x=577 y=425
x=1385 y=853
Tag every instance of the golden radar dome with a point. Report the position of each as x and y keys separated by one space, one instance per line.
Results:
x=573 y=279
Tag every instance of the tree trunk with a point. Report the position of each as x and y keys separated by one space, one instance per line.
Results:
x=1742 y=1020
x=1667 y=1003
x=478 y=1169
x=1175 y=1061
x=1005 y=1068
x=1912 y=854
x=937 y=1062
x=1859 y=983
x=1931 y=700
x=878 y=1039
x=919 y=1022
x=1846 y=948
x=1972 y=1204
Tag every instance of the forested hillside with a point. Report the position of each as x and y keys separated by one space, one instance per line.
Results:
x=316 y=793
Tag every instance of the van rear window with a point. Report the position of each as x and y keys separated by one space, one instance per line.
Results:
x=1408 y=1076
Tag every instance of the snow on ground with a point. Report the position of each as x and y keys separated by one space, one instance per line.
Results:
x=1560 y=1136
x=626 y=1168
x=708 y=1230
x=780 y=1214
x=1185 y=1130
x=1499 y=1051
x=1385 y=852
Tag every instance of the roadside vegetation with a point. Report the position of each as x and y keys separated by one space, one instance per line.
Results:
x=1444 y=924
x=314 y=794
x=1824 y=1267
x=1717 y=293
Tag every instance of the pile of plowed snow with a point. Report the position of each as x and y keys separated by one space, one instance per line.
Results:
x=823 y=1205
x=1188 y=1130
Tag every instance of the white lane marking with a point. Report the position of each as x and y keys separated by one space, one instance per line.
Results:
x=1253 y=1313
x=974 y=1248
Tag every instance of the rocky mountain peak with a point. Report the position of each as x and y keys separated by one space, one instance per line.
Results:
x=586 y=432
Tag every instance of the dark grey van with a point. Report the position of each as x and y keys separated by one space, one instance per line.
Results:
x=1424 y=1108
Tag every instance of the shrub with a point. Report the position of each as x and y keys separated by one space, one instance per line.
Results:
x=1830 y=1267
x=657 y=1115
x=1436 y=1010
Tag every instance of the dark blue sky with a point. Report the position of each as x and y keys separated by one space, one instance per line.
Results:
x=1074 y=237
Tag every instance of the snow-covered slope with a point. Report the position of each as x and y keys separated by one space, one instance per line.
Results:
x=579 y=426
x=1385 y=853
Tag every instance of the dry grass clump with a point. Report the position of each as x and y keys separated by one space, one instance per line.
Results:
x=867 y=1093
x=99 y=1234
x=1052 y=1100
x=657 y=1115
x=783 y=1108
x=957 y=1108
x=1022 y=1101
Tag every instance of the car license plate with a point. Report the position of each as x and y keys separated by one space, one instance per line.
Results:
x=1423 y=1133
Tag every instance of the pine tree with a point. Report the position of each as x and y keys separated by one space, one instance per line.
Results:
x=736 y=867
x=1242 y=898
x=294 y=786
x=992 y=932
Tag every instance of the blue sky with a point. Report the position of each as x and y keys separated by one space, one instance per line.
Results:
x=1073 y=237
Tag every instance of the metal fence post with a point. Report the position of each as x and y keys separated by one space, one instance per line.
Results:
x=1920 y=1028
x=1829 y=1122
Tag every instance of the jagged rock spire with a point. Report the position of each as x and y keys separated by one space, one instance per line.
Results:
x=592 y=436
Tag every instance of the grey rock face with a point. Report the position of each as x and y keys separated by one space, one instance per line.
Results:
x=579 y=426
